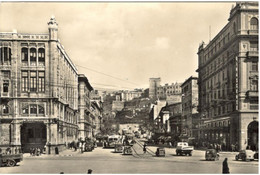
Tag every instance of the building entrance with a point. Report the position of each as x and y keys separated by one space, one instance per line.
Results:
x=33 y=135
x=252 y=133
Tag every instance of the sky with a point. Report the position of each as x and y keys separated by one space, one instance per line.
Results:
x=121 y=45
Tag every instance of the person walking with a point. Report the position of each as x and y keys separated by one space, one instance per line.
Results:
x=144 y=148
x=225 y=169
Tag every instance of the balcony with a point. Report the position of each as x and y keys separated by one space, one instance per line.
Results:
x=252 y=94
x=252 y=53
x=4 y=95
x=252 y=32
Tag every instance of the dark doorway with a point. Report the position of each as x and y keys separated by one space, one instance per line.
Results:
x=252 y=133
x=33 y=135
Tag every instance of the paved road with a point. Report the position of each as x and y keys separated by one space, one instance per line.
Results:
x=103 y=161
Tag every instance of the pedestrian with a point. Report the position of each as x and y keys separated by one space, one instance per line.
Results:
x=170 y=144
x=89 y=171
x=225 y=169
x=144 y=148
x=80 y=147
x=31 y=152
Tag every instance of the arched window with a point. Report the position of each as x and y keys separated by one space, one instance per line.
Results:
x=33 y=56
x=24 y=56
x=254 y=24
x=41 y=57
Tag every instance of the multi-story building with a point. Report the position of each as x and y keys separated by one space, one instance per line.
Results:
x=97 y=113
x=38 y=91
x=169 y=90
x=130 y=95
x=175 y=121
x=189 y=105
x=84 y=119
x=228 y=80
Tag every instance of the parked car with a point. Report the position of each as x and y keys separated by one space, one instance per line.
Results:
x=10 y=159
x=127 y=150
x=211 y=154
x=245 y=155
x=256 y=155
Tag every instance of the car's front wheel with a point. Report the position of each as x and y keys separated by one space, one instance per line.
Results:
x=236 y=157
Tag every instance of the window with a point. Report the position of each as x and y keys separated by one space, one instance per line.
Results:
x=24 y=81
x=5 y=55
x=41 y=81
x=33 y=56
x=5 y=86
x=25 y=110
x=6 y=74
x=254 y=24
x=41 y=109
x=33 y=81
x=253 y=46
x=33 y=109
x=254 y=66
x=254 y=85
x=25 y=56
x=41 y=57
x=5 y=109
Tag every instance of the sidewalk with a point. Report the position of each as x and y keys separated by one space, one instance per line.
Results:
x=64 y=153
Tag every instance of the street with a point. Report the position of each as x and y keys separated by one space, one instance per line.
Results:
x=104 y=161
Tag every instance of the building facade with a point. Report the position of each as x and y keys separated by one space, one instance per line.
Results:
x=169 y=91
x=38 y=88
x=84 y=118
x=228 y=81
x=189 y=105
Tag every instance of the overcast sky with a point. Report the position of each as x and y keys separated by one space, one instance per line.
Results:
x=130 y=41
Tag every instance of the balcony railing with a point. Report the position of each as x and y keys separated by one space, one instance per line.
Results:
x=252 y=53
x=4 y=94
x=252 y=94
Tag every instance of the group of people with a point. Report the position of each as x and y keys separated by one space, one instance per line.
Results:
x=35 y=151
x=81 y=145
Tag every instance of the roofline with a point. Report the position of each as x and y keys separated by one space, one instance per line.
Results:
x=82 y=77
x=190 y=78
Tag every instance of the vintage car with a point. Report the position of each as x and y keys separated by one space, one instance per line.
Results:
x=10 y=159
x=127 y=150
x=118 y=148
x=183 y=148
x=160 y=152
x=245 y=155
x=211 y=154
x=89 y=146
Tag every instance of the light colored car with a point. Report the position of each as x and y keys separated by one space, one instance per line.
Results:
x=245 y=155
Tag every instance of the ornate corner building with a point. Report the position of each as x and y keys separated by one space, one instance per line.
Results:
x=228 y=81
x=38 y=91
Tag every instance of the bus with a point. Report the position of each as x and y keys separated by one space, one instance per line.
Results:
x=112 y=140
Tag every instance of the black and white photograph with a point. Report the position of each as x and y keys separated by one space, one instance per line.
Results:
x=129 y=87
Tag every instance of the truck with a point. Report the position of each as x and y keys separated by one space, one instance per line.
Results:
x=183 y=148
x=10 y=160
